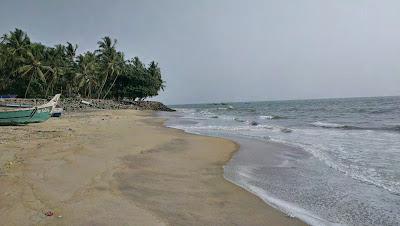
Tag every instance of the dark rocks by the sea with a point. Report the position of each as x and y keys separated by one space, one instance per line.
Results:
x=254 y=123
x=81 y=104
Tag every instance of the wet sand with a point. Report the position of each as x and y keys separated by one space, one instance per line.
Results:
x=121 y=168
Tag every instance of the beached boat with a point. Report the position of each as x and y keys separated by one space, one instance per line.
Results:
x=57 y=111
x=28 y=115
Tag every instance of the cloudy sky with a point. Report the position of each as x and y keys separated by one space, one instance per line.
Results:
x=228 y=50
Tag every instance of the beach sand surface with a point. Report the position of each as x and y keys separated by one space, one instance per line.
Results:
x=121 y=168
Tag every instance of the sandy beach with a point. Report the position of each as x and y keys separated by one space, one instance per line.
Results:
x=121 y=168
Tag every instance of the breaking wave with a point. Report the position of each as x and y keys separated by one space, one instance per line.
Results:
x=271 y=117
x=329 y=125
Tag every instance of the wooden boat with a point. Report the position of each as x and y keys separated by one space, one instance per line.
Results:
x=28 y=115
x=57 y=111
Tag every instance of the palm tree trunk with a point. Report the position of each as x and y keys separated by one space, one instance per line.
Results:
x=49 y=86
x=109 y=89
x=29 y=85
x=102 y=86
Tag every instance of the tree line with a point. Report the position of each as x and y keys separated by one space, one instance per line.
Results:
x=31 y=69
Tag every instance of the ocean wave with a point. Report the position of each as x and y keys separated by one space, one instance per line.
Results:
x=373 y=110
x=363 y=174
x=185 y=110
x=255 y=128
x=394 y=128
x=239 y=120
x=328 y=125
x=229 y=107
x=249 y=109
x=244 y=179
x=271 y=117
x=382 y=111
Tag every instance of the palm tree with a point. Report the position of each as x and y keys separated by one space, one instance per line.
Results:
x=106 y=46
x=15 y=44
x=117 y=62
x=155 y=73
x=71 y=50
x=56 y=57
x=56 y=72
x=3 y=61
x=87 y=75
x=4 y=78
x=16 y=41
x=70 y=69
x=33 y=67
x=110 y=60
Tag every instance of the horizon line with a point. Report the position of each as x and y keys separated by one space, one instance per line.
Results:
x=321 y=98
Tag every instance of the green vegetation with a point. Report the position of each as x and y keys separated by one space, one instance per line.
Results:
x=31 y=69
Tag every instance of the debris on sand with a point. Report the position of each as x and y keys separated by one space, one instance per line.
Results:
x=49 y=213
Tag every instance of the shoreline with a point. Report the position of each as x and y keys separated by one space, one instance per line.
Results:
x=309 y=218
x=122 y=167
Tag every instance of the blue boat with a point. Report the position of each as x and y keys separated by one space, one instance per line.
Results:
x=8 y=96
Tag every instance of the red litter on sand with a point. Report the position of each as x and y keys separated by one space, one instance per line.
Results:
x=49 y=213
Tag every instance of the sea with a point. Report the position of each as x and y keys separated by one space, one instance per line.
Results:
x=324 y=161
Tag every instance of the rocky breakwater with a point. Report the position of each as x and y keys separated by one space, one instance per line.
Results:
x=80 y=104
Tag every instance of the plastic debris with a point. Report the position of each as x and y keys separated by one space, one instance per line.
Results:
x=49 y=213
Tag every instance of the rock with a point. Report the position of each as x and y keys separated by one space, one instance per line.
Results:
x=254 y=123
x=239 y=120
x=286 y=130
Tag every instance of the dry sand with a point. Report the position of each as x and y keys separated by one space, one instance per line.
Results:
x=120 y=168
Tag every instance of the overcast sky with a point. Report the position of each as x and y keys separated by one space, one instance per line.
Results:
x=226 y=50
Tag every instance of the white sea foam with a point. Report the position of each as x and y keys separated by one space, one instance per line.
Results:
x=327 y=125
x=269 y=117
x=259 y=128
x=363 y=174
x=266 y=117
x=292 y=210
x=317 y=149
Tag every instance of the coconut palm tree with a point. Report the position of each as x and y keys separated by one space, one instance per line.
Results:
x=16 y=41
x=87 y=78
x=117 y=61
x=15 y=44
x=4 y=78
x=33 y=67
x=56 y=57
x=110 y=60
x=71 y=50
